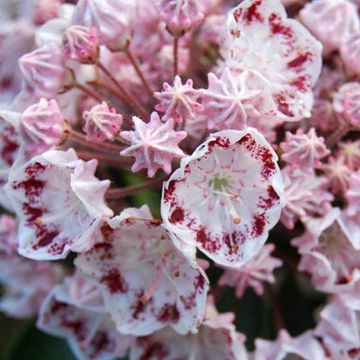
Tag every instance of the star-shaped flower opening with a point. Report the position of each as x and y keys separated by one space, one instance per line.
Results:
x=225 y=197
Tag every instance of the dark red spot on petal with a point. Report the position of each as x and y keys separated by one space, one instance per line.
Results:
x=169 y=191
x=169 y=313
x=301 y=83
x=300 y=60
x=237 y=14
x=258 y=225
x=100 y=342
x=252 y=13
x=115 y=282
x=277 y=26
x=177 y=215
x=268 y=202
x=155 y=351
x=10 y=145
x=209 y=244
x=219 y=141
x=283 y=105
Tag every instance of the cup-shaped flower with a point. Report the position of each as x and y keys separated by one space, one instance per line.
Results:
x=102 y=122
x=330 y=21
x=91 y=334
x=147 y=284
x=42 y=124
x=154 y=144
x=225 y=197
x=277 y=50
x=330 y=253
x=43 y=70
x=81 y=44
x=59 y=202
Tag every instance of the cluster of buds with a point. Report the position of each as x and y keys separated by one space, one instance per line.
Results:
x=243 y=120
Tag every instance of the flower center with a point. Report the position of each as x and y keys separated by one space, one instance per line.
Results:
x=221 y=186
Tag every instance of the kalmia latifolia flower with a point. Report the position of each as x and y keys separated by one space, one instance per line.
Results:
x=111 y=19
x=306 y=196
x=350 y=52
x=339 y=328
x=154 y=144
x=254 y=273
x=304 y=150
x=216 y=339
x=81 y=44
x=183 y=106
x=347 y=102
x=147 y=284
x=42 y=124
x=180 y=15
x=102 y=122
x=230 y=100
x=328 y=253
x=59 y=203
x=225 y=197
x=284 y=56
x=331 y=21
x=43 y=70
x=69 y=312
x=179 y=102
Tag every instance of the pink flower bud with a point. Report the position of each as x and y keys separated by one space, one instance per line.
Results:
x=102 y=122
x=81 y=44
x=42 y=124
x=43 y=70
x=111 y=19
x=180 y=15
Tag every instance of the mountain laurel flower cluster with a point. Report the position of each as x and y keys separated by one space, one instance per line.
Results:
x=180 y=179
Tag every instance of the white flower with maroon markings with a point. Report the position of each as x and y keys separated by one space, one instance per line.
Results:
x=147 y=283
x=279 y=51
x=59 y=203
x=69 y=312
x=225 y=197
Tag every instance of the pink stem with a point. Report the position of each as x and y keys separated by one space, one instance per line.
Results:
x=117 y=193
x=88 y=92
x=136 y=65
x=126 y=96
x=80 y=138
x=176 y=55
x=104 y=158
